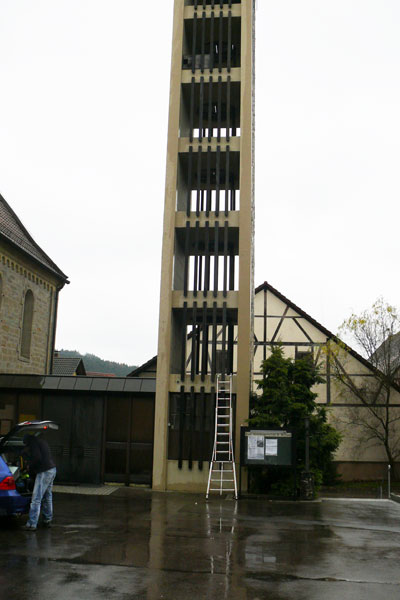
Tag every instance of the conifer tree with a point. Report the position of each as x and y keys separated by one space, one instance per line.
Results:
x=286 y=400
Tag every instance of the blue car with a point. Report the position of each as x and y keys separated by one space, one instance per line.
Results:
x=15 y=484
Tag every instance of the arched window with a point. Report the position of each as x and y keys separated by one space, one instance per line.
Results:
x=26 y=333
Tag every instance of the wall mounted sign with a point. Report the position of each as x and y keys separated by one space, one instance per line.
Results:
x=266 y=447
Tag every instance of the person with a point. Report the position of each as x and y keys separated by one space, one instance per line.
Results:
x=42 y=465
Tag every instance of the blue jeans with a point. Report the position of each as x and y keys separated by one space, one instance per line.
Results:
x=42 y=496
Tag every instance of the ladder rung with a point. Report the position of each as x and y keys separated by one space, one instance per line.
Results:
x=222 y=471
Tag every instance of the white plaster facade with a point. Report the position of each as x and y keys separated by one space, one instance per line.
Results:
x=278 y=320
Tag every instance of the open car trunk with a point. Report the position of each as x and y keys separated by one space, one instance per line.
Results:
x=11 y=447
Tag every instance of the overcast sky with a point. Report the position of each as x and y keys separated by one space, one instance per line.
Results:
x=83 y=130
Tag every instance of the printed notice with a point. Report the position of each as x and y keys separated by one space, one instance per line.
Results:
x=255 y=447
x=271 y=447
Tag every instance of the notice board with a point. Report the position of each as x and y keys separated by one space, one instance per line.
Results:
x=266 y=447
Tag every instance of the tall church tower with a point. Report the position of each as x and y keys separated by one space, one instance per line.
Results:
x=205 y=326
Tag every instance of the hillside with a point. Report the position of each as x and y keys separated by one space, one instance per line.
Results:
x=98 y=365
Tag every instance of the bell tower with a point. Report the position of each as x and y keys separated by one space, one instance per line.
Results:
x=206 y=302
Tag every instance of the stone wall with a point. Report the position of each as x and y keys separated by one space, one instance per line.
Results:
x=19 y=274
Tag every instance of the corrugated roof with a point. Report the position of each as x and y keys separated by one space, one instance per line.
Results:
x=13 y=230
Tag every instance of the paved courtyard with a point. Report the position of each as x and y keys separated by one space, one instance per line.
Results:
x=137 y=544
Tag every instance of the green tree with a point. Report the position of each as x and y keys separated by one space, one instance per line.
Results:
x=286 y=400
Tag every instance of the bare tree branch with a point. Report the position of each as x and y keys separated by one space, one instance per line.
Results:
x=376 y=334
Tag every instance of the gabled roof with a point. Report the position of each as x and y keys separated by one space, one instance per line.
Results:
x=263 y=287
x=389 y=350
x=14 y=232
x=68 y=366
x=268 y=286
x=144 y=367
x=324 y=330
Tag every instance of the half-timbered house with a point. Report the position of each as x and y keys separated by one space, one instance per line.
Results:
x=277 y=320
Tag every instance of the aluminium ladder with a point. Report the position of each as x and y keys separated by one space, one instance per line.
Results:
x=222 y=475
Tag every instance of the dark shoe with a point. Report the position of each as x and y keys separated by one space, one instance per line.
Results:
x=46 y=524
x=28 y=528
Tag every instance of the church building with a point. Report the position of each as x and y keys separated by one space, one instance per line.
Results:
x=29 y=286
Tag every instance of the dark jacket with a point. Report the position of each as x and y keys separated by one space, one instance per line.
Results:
x=38 y=454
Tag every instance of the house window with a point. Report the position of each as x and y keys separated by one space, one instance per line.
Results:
x=26 y=333
x=304 y=354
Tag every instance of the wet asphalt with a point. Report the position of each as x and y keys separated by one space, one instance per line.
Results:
x=138 y=544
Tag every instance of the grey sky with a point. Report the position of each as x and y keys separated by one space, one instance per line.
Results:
x=83 y=128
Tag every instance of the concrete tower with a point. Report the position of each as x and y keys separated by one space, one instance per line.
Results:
x=205 y=326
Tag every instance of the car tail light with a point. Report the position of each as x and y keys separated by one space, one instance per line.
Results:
x=8 y=483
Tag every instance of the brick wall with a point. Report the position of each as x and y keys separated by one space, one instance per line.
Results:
x=18 y=274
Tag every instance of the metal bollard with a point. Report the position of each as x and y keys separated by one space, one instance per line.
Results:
x=389 y=468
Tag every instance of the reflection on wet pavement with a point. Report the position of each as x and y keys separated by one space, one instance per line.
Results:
x=138 y=544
